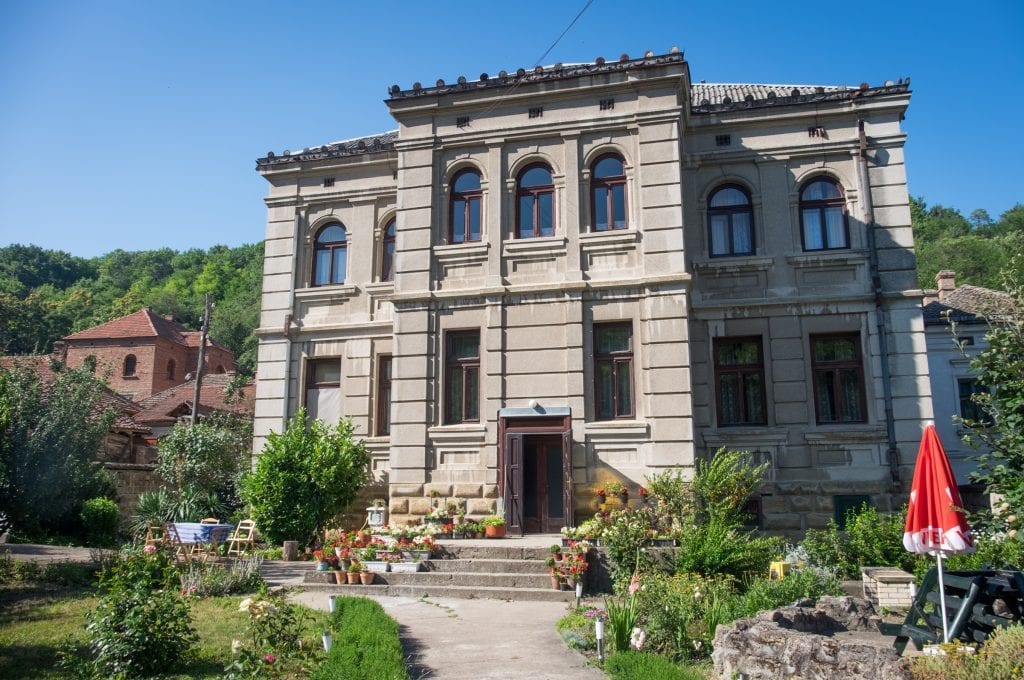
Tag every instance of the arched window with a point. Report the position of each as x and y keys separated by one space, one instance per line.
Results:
x=730 y=222
x=170 y=369
x=465 y=207
x=823 y=215
x=608 y=193
x=129 y=366
x=387 y=253
x=330 y=255
x=535 y=200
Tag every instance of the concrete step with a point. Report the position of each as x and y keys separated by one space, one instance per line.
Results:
x=474 y=550
x=449 y=578
x=493 y=566
x=464 y=592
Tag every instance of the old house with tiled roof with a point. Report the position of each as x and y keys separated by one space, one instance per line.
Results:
x=970 y=310
x=222 y=393
x=143 y=353
x=549 y=278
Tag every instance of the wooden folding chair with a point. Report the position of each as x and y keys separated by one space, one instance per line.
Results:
x=241 y=541
x=155 y=534
x=209 y=520
x=178 y=549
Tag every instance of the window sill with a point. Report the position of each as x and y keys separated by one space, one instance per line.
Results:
x=616 y=239
x=735 y=264
x=380 y=287
x=532 y=247
x=828 y=258
x=462 y=252
x=448 y=434
x=616 y=428
x=846 y=432
x=326 y=292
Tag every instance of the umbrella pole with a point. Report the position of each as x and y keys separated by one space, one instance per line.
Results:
x=942 y=601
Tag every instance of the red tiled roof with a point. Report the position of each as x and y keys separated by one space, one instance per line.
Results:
x=969 y=304
x=162 y=407
x=143 y=324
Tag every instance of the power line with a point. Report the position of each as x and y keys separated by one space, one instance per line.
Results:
x=562 y=35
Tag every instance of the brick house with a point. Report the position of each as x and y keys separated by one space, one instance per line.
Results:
x=143 y=353
x=547 y=279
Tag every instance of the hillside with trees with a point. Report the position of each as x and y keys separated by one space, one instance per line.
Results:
x=47 y=294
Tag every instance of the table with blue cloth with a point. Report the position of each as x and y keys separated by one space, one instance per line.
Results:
x=200 y=535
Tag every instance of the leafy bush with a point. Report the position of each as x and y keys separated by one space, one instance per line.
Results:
x=99 y=518
x=1001 y=658
x=624 y=538
x=763 y=595
x=366 y=644
x=991 y=552
x=275 y=646
x=305 y=476
x=717 y=547
x=210 y=580
x=679 y=613
x=141 y=625
x=871 y=538
x=645 y=666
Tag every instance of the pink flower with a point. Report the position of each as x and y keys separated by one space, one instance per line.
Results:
x=149 y=549
x=270 y=658
x=634 y=585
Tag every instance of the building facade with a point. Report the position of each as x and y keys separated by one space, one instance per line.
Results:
x=546 y=280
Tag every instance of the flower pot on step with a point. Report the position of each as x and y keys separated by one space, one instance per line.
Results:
x=366 y=577
x=340 y=578
x=353 y=578
x=495 y=531
x=556 y=583
x=376 y=566
x=405 y=567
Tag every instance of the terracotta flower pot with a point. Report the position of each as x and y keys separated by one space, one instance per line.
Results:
x=339 y=577
x=366 y=577
x=353 y=578
x=496 y=532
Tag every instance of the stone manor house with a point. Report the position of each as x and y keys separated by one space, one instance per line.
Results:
x=551 y=278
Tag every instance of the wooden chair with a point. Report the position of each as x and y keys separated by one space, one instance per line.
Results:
x=210 y=520
x=241 y=541
x=178 y=549
x=155 y=534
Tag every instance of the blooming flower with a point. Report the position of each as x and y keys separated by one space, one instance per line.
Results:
x=246 y=603
x=149 y=549
x=270 y=658
x=634 y=584
x=236 y=646
x=636 y=640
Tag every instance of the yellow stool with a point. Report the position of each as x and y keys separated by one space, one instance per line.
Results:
x=778 y=570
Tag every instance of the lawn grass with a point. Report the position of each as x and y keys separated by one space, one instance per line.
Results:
x=36 y=620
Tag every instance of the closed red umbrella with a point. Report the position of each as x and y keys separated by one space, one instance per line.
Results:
x=935 y=522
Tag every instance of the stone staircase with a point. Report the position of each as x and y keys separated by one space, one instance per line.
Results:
x=465 y=569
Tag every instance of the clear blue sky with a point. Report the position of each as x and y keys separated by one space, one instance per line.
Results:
x=136 y=124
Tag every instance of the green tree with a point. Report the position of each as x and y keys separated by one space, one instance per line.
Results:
x=51 y=431
x=1000 y=367
x=304 y=477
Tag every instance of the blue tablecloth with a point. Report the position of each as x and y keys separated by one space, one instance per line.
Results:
x=194 y=532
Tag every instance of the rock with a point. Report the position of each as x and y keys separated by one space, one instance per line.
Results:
x=809 y=643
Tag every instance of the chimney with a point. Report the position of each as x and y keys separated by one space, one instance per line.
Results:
x=930 y=295
x=945 y=281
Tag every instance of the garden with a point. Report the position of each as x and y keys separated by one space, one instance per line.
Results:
x=667 y=602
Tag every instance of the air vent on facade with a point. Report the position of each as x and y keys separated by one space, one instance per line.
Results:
x=462 y=121
x=536 y=112
x=607 y=104
x=723 y=140
x=816 y=131
x=328 y=182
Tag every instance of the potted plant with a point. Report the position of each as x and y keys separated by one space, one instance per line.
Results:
x=366 y=577
x=339 y=574
x=353 y=573
x=556 y=552
x=321 y=561
x=556 y=581
x=494 y=526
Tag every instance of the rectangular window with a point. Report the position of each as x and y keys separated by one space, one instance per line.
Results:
x=838 y=379
x=970 y=409
x=844 y=505
x=723 y=140
x=739 y=375
x=462 y=377
x=384 y=396
x=323 y=389
x=607 y=104
x=613 y=370
x=536 y=112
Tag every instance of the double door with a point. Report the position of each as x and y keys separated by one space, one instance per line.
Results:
x=538 y=482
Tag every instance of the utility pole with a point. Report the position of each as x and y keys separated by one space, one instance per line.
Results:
x=202 y=358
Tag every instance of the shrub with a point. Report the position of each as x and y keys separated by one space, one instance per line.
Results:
x=210 y=580
x=275 y=645
x=141 y=625
x=99 y=518
x=645 y=666
x=717 y=547
x=366 y=644
x=305 y=476
x=763 y=595
x=1001 y=658
x=991 y=552
x=679 y=613
x=871 y=539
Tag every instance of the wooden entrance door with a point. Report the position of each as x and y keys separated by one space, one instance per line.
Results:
x=543 y=490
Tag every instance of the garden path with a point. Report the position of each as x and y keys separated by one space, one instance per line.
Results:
x=460 y=639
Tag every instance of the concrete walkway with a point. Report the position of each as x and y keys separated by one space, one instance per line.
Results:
x=458 y=639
